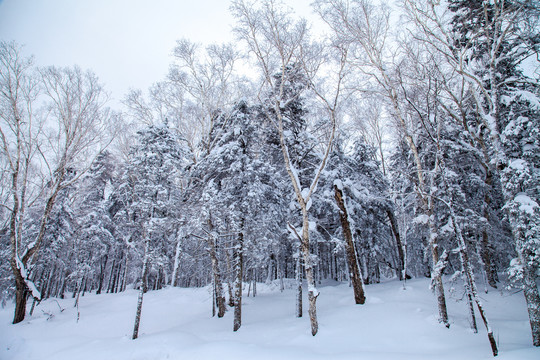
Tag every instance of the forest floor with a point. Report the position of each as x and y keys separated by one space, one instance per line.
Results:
x=396 y=322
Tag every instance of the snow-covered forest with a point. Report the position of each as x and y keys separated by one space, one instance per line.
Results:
x=370 y=148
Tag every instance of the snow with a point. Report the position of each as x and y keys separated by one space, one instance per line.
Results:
x=397 y=322
x=421 y=219
x=526 y=204
x=518 y=164
x=33 y=289
x=530 y=97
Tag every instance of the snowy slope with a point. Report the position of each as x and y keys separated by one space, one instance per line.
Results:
x=395 y=323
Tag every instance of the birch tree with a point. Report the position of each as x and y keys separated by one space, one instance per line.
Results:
x=366 y=27
x=486 y=50
x=41 y=147
x=278 y=42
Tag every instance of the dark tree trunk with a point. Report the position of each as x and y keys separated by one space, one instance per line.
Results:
x=399 y=245
x=111 y=276
x=491 y=275
x=103 y=266
x=114 y=274
x=21 y=295
x=354 y=272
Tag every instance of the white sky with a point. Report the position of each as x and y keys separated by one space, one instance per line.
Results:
x=127 y=43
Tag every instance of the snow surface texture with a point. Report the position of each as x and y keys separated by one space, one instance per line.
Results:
x=395 y=323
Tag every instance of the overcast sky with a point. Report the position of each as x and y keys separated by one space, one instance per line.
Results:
x=127 y=43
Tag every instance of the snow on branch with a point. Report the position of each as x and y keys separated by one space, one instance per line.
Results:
x=31 y=286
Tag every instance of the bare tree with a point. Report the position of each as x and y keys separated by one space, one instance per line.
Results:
x=62 y=138
x=210 y=83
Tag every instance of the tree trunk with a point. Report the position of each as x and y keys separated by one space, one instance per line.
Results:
x=474 y=327
x=142 y=290
x=220 y=299
x=270 y=273
x=239 y=267
x=401 y=256
x=111 y=276
x=313 y=293
x=354 y=272
x=471 y=286
x=21 y=295
x=436 y=279
x=298 y=287
x=530 y=290
x=174 y=280
x=485 y=248
x=103 y=267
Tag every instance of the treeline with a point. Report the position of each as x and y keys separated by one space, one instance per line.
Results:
x=366 y=155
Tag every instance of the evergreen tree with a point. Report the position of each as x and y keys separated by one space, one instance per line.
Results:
x=496 y=38
x=151 y=178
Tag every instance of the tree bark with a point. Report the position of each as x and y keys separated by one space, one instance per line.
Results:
x=485 y=249
x=399 y=245
x=174 y=280
x=142 y=290
x=21 y=296
x=354 y=272
x=298 y=287
x=239 y=267
x=103 y=267
x=220 y=299
x=313 y=293
x=436 y=276
x=530 y=290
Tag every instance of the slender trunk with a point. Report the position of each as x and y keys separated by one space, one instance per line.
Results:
x=174 y=280
x=111 y=277
x=125 y=275
x=213 y=298
x=229 y=280
x=269 y=277
x=78 y=291
x=464 y=257
x=280 y=274
x=63 y=286
x=313 y=293
x=352 y=263
x=239 y=267
x=530 y=290
x=298 y=287
x=48 y=284
x=485 y=248
x=220 y=299
x=474 y=327
x=115 y=272
x=103 y=267
x=142 y=290
x=401 y=256
x=436 y=275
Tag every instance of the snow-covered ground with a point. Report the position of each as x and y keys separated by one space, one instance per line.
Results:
x=395 y=323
